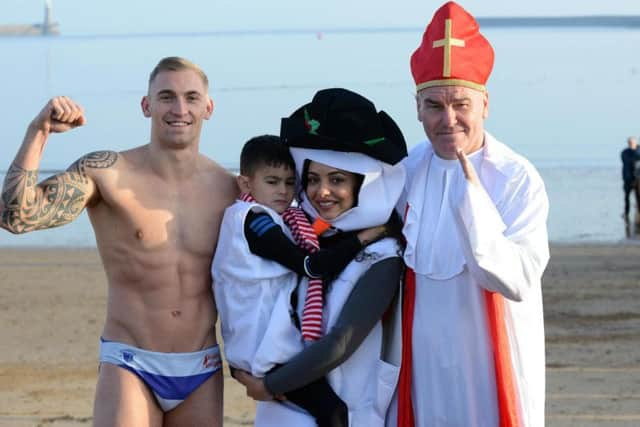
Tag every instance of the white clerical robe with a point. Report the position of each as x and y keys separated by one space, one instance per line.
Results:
x=463 y=239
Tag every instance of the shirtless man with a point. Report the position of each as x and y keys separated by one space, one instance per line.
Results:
x=156 y=210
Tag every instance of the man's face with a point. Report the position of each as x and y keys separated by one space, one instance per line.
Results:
x=453 y=118
x=177 y=104
x=272 y=186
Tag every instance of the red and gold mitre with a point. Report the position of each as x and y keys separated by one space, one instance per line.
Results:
x=453 y=52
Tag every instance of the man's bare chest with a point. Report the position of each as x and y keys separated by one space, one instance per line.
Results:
x=153 y=218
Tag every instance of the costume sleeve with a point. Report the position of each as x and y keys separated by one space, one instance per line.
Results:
x=267 y=240
x=506 y=245
x=365 y=306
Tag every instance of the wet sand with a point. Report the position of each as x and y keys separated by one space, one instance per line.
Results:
x=52 y=306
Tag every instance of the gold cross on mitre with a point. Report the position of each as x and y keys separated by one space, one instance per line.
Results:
x=447 y=42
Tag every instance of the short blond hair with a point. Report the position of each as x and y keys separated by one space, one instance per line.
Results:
x=176 y=63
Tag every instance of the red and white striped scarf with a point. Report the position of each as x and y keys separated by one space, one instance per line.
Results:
x=304 y=234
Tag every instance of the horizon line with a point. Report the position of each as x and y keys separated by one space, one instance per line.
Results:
x=565 y=21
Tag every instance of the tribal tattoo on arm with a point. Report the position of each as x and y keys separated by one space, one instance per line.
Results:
x=56 y=201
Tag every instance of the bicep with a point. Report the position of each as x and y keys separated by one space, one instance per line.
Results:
x=63 y=196
x=80 y=177
x=60 y=199
x=55 y=201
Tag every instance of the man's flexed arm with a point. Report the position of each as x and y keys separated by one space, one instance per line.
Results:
x=25 y=205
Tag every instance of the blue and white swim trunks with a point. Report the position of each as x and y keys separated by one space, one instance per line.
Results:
x=172 y=377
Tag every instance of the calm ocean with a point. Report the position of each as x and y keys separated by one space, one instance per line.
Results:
x=564 y=98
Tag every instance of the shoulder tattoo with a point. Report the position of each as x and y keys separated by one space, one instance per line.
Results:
x=95 y=160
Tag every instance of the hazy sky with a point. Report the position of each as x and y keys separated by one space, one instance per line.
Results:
x=151 y=16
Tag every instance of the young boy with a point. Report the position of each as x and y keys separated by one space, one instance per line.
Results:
x=253 y=292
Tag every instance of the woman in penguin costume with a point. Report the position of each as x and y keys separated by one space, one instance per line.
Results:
x=347 y=157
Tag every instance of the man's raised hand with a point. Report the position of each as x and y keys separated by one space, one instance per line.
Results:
x=60 y=115
x=467 y=168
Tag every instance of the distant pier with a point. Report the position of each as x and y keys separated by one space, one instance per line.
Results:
x=46 y=28
x=29 y=30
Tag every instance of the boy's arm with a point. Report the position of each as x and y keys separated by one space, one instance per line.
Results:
x=27 y=205
x=268 y=240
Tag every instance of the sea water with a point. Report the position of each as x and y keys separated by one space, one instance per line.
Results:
x=564 y=98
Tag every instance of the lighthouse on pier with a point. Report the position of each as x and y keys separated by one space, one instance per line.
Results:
x=48 y=26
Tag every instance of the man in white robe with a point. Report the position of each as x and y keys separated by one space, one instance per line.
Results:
x=475 y=225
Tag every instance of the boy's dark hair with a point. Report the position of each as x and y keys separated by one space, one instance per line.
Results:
x=264 y=150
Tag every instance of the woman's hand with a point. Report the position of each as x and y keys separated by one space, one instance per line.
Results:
x=370 y=235
x=393 y=228
x=255 y=386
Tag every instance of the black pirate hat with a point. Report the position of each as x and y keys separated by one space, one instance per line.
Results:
x=341 y=120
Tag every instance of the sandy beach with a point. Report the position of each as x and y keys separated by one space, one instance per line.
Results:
x=52 y=306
